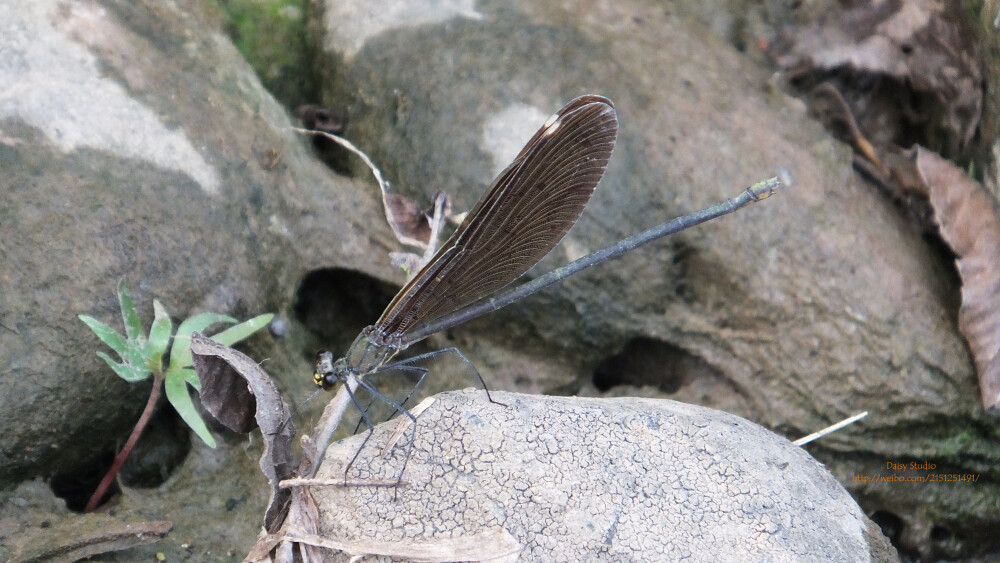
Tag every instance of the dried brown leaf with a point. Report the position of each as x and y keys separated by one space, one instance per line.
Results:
x=262 y=548
x=224 y=391
x=73 y=540
x=411 y=225
x=415 y=226
x=235 y=387
x=916 y=64
x=304 y=515
x=969 y=222
x=302 y=530
x=407 y=219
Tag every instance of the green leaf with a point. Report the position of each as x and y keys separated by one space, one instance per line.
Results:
x=134 y=354
x=159 y=336
x=201 y=321
x=175 y=385
x=133 y=326
x=107 y=334
x=180 y=353
x=127 y=372
x=234 y=334
x=190 y=376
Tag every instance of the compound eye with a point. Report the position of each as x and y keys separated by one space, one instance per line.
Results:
x=329 y=381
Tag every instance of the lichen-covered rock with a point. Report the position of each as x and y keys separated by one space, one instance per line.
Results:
x=598 y=480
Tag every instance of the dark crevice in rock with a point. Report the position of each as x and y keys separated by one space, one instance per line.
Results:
x=683 y=376
x=160 y=450
x=75 y=484
x=894 y=528
x=646 y=361
x=165 y=443
x=336 y=303
x=892 y=525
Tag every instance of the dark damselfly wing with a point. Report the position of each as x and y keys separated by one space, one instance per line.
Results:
x=523 y=215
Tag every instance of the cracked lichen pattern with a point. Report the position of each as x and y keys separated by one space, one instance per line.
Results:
x=597 y=480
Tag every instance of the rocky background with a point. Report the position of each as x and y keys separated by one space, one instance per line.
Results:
x=153 y=142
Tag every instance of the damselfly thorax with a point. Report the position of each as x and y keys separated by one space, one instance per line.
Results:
x=370 y=351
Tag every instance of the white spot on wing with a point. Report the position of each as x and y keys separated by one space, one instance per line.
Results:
x=551 y=128
x=552 y=119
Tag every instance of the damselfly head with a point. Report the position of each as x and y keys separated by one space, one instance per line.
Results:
x=325 y=375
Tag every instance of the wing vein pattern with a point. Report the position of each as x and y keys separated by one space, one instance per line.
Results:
x=523 y=215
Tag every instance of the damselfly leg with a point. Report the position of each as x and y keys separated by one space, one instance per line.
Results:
x=368 y=385
x=421 y=374
x=452 y=350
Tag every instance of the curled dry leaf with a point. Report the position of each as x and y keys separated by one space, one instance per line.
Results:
x=969 y=222
x=303 y=519
x=76 y=539
x=412 y=225
x=427 y=226
x=240 y=394
x=406 y=218
x=916 y=63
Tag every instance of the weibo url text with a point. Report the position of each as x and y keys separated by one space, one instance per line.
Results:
x=888 y=477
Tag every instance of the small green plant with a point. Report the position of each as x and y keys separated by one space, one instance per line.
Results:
x=143 y=356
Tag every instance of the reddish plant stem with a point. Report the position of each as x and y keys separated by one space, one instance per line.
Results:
x=147 y=414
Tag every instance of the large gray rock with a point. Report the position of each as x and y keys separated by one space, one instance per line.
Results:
x=574 y=479
x=135 y=143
